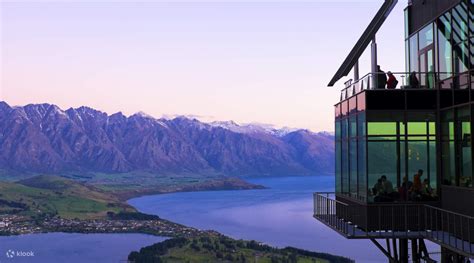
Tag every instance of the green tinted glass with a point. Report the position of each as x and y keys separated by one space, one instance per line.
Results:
x=402 y=128
x=451 y=131
x=382 y=128
x=432 y=128
x=353 y=128
x=417 y=128
x=382 y=138
x=466 y=128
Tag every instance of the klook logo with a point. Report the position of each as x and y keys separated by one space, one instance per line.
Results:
x=10 y=253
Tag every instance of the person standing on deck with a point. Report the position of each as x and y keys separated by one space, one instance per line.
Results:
x=381 y=78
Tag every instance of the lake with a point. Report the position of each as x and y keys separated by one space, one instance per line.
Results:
x=279 y=216
x=74 y=248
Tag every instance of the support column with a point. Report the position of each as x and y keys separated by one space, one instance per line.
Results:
x=403 y=244
x=374 y=63
x=415 y=251
x=356 y=71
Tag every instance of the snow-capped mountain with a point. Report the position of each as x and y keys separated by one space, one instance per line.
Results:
x=45 y=138
x=252 y=128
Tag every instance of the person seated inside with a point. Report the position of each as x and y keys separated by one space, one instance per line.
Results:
x=388 y=189
x=378 y=188
x=427 y=193
x=392 y=82
x=417 y=186
x=404 y=190
x=383 y=190
x=465 y=181
x=413 y=81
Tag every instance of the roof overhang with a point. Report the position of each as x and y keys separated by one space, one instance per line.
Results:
x=364 y=40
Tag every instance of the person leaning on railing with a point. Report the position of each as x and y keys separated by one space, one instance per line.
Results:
x=392 y=82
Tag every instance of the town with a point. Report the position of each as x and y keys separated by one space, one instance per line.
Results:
x=19 y=225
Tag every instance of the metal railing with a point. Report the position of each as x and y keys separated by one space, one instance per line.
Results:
x=403 y=220
x=405 y=80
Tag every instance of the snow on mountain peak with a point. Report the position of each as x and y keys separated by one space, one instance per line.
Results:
x=249 y=128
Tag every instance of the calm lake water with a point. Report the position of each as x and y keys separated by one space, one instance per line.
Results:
x=279 y=216
x=74 y=248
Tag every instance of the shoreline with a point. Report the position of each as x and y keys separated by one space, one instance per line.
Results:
x=157 y=227
x=218 y=186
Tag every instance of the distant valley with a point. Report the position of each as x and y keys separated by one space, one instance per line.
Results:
x=139 y=154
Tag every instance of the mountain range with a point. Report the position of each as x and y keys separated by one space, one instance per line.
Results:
x=42 y=138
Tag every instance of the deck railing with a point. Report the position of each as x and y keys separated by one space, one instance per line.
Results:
x=425 y=80
x=403 y=220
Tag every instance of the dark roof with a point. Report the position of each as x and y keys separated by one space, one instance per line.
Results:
x=364 y=40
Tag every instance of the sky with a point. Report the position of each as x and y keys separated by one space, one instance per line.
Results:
x=251 y=62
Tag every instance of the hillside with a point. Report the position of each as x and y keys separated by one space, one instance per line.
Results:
x=42 y=138
x=49 y=196
x=224 y=249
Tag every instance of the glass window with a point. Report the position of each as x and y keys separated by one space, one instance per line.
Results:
x=337 y=132
x=382 y=128
x=362 y=169
x=417 y=159
x=361 y=125
x=471 y=30
x=471 y=18
x=407 y=56
x=432 y=172
x=448 y=156
x=471 y=51
x=444 y=46
x=426 y=36
x=382 y=162
x=414 y=53
x=361 y=102
x=448 y=163
x=464 y=147
x=432 y=128
x=344 y=129
x=461 y=57
x=417 y=128
x=353 y=128
x=353 y=167
x=447 y=125
x=460 y=30
x=407 y=21
x=338 y=166
x=345 y=167
x=403 y=167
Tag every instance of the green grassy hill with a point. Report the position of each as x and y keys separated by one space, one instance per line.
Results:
x=224 y=249
x=44 y=195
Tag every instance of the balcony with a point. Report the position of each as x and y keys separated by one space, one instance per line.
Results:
x=404 y=220
x=425 y=80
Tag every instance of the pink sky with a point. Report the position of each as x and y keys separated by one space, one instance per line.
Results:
x=266 y=62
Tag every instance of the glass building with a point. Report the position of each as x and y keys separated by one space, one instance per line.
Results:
x=404 y=148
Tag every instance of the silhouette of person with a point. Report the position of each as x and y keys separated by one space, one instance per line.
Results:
x=413 y=81
x=381 y=78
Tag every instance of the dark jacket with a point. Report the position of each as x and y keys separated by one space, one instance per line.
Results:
x=381 y=79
